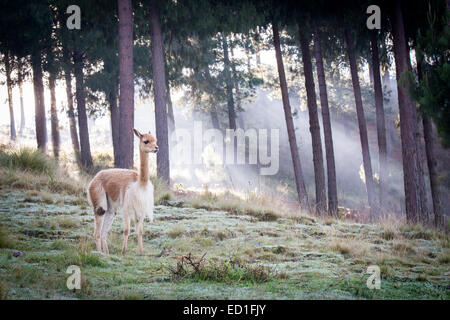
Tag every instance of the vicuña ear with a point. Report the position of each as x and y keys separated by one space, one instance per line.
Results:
x=137 y=133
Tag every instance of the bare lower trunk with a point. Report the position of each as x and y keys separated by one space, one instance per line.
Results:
x=170 y=115
x=126 y=93
x=54 y=116
x=41 y=126
x=70 y=109
x=159 y=87
x=381 y=123
x=85 y=154
x=238 y=91
x=370 y=66
x=213 y=112
x=214 y=118
x=431 y=160
x=362 y=126
x=298 y=174
x=432 y=168
x=314 y=127
x=408 y=125
x=71 y=114
x=228 y=84
x=22 y=110
x=328 y=137
x=12 y=124
x=114 y=113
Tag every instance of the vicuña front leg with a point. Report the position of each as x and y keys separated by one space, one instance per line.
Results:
x=126 y=233
x=107 y=223
x=140 y=227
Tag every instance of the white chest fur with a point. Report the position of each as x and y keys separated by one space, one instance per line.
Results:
x=138 y=201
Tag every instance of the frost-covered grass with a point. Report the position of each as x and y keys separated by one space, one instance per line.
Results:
x=316 y=260
x=254 y=248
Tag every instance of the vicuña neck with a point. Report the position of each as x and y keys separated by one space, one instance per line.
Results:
x=143 y=172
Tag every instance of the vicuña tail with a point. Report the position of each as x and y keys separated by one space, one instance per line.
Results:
x=97 y=197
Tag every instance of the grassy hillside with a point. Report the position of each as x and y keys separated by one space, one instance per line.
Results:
x=202 y=248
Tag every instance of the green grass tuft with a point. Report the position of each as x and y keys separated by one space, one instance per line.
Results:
x=5 y=241
x=3 y=291
x=28 y=159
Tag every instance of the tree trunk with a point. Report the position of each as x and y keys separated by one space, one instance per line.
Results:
x=362 y=125
x=408 y=125
x=314 y=127
x=71 y=112
x=298 y=175
x=126 y=93
x=239 y=109
x=431 y=159
x=54 y=116
x=228 y=84
x=111 y=96
x=257 y=50
x=328 y=137
x=432 y=168
x=22 y=110
x=214 y=116
x=114 y=112
x=170 y=115
x=85 y=154
x=159 y=87
x=10 y=101
x=381 y=123
x=41 y=125
x=370 y=72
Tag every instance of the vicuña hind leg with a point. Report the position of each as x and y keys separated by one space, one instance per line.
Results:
x=126 y=232
x=107 y=223
x=98 y=231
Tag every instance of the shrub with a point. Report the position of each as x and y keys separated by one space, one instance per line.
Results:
x=230 y=271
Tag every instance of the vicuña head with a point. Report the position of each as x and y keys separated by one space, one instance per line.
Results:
x=147 y=142
x=128 y=191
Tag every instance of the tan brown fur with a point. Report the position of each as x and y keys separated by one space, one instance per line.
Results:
x=113 y=181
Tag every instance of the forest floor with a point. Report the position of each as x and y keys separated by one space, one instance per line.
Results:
x=205 y=248
x=281 y=259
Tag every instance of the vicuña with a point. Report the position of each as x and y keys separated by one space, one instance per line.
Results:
x=129 y=191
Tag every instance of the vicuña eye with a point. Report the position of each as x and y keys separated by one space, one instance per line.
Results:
x=146 y=142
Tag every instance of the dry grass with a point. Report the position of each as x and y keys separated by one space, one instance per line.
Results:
x=444 y=257
x=5 y=240
x=354 y=247
x=3 y=291
x=402 y=248
x=65 y=222
x=28 y=180
x=176 y=231
x=261 y=206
